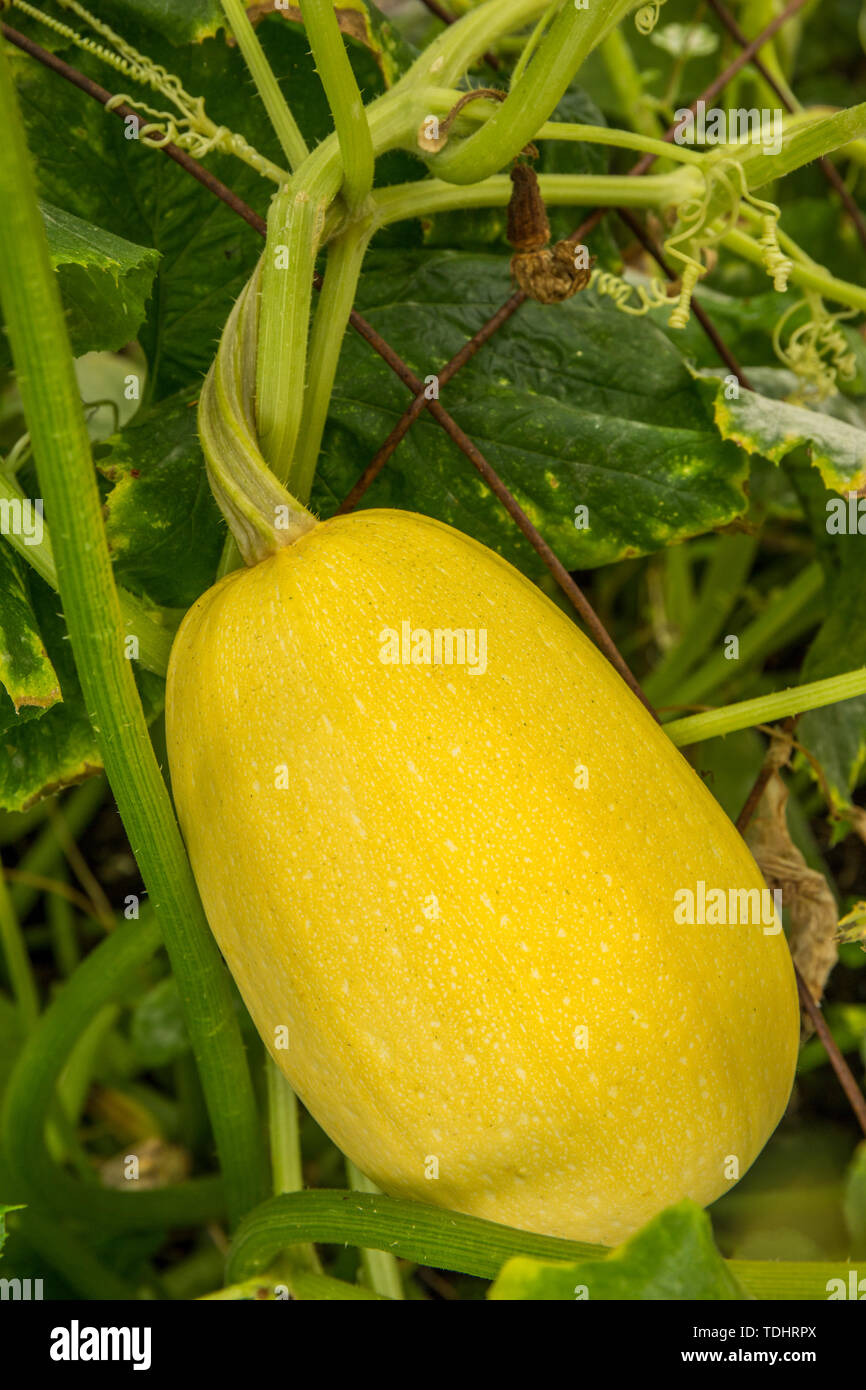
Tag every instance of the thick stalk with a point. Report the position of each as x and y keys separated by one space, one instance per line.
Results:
x=344 y=99
x=295 y=227
x=284 y=124
x=797 y=699
x=345 y=258
x=536 y=94
x=428 y=196
x=40 y=349
x=381 y=1270
x=295 y=223
x=449 y=56
x=449 y=1240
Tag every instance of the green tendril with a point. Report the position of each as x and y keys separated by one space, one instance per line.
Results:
x=651 y=296
x=816 y=350
x=192 y=130
x=647 y=17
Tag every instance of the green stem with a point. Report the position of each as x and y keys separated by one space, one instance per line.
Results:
x=345 y=258
x=625 y=77
x=295 y=222
x=286 y=1160
x=64 y=941
x=804 y=275
x=479 y=112
x=344 y=99
x=43 y=360
x=797 y=699
x=531 y=45
x=107 y=973
x=790 y=612
x=449 y=1240
x=428 y=196
x=284 y=124
x=44 y=858
x=725 y=576
x=284 y=1131
x=536 y=94
x=454 y=51
x=381 y=1270
x=17 y=960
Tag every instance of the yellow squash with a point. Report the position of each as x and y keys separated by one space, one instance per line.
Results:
x=451 y=891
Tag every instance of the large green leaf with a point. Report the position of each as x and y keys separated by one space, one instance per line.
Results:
x=164 y=528
x=573 y=405
x=104 y=281
x=673 y=1258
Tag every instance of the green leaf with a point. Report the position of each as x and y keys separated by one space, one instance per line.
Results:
x=206 y=251
x=774 y=429
x=189 y=22
x=59 y=748
x=4 y=1211
x=158 y=1032
x=104 y=281
x=26 y=672
x=573 y=405
x=163 y=525
x=673 y=1258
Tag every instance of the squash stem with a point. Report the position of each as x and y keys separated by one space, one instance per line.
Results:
x=285 y=126
x=344 y=99
x=43 y=360
x=797 y=699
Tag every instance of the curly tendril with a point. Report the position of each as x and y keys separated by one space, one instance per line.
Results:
x=698 y=232
x=647 y=16
x=192 y=130
x=651 y=296
x=816 y=350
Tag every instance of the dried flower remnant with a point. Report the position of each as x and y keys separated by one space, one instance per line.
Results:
x=548 y=274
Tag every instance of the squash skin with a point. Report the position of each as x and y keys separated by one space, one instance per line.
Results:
x=414 y=1036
